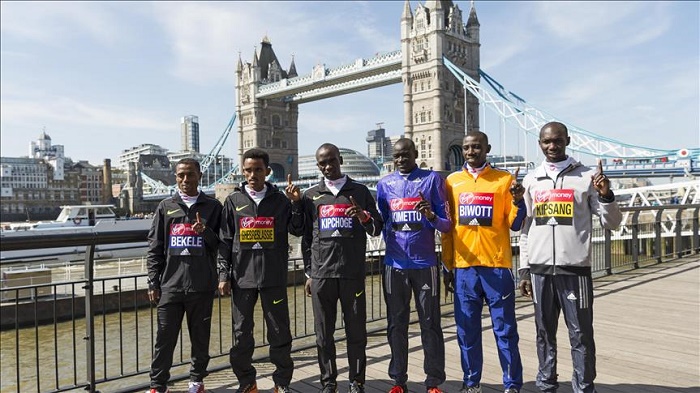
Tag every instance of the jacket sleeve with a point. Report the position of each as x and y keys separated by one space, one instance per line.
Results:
x=608 y=210
x=374 y=226
x=307 y=234
x=446 y=237
x=524 y=268
x=438 y=202
x=516 y=213
x=226 y=234
x=211 y=229
x=155 y=257
x=296 y=220
x=383 y=205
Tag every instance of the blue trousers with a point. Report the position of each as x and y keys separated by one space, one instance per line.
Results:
x=473 y=285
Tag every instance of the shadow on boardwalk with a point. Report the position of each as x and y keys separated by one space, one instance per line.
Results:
x=647 y=336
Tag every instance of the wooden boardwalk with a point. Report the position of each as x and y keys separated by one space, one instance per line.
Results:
x=647 y=333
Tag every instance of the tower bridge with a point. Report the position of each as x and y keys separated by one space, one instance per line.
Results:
x=445 y=93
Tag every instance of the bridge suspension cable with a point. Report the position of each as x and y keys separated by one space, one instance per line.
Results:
x=517 y=111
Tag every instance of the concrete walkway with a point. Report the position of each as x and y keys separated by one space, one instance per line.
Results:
x=647 y=325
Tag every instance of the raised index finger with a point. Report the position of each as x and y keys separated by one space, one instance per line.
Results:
x=421 y=195
x=289 y=179
x=600 y=166
x=517 y=171
x=199 y=219
x=352 y=200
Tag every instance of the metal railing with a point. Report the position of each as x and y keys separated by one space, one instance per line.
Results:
x=91 y=333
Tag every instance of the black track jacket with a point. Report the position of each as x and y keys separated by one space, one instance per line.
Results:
x=255 y=249
x=334 y=244
x=178 y=259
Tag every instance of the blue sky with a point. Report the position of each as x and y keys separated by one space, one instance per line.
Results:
x=105 y=76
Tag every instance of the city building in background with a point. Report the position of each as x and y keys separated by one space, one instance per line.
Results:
x=379 y=147
x=355 y=164
x=132 y=154
x=42 y=149
x=189 y=126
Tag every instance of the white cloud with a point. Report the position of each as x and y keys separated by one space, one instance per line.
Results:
x=32 y=109
x=205 y=38
x=614 y=24
x=55 y=23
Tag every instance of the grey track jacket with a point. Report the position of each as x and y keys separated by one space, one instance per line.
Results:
x=556 y=236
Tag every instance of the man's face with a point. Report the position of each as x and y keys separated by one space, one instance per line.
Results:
x=328 y=161
x=187 y=177
x=474 y=150
x=404 y=157
x=255 y=171
x=553 y=142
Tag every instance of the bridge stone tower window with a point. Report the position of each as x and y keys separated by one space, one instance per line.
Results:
x=433 y=98
x=269 y=124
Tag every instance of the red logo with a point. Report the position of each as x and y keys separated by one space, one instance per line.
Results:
x=179 y=229
x=542 y=196
x=466 y=198
x=399 y=204
x=257 y=222
x=332 y=210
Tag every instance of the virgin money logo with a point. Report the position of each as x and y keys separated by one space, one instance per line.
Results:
x=179 y=229
x=332 y=210
x=257 y=222
x=542 y=196
x=403 y=203
x=466 y=198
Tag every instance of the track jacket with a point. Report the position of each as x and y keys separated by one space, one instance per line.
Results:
x=556 y=236
x=482 y=216
x=179 y=259
x=255 y=247
x=334 y=245
x=410 y=237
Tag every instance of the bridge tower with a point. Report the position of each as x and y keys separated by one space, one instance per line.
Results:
x=434 y=107
x=269 y=124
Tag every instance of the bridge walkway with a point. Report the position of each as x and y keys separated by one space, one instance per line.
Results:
x=647 y=336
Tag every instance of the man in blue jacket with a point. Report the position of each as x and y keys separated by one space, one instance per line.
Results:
x=412 y=203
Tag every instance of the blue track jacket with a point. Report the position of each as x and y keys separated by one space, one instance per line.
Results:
x=410 y=237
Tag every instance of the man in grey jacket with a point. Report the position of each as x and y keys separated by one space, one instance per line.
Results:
x=561 y=197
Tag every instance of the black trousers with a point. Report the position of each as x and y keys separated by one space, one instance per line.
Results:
x=325 y=293
x=275 y=310
x=172 y=307
x=399 y=286
x=574 y=295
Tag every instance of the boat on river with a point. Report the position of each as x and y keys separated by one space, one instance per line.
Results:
x=77 y=219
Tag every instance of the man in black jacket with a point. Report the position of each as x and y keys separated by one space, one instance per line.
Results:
x=339 y=214
x=182 y=277
x=253 y=261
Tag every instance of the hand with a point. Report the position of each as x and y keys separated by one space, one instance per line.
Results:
x=424 y=207
x=307 y=287
x=525 y=288
x=356 y=211
x=198 y=226
x=224 y=288
x=601 y=183
x=154 y=295
x=516 y=188
x=448 y=278
x=292 y=191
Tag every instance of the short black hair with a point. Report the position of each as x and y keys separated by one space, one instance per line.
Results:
x=328 y=146
x=555 y=125
x=478 y=134
x=408 y=141
x=257 y=154
x=190 y=161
